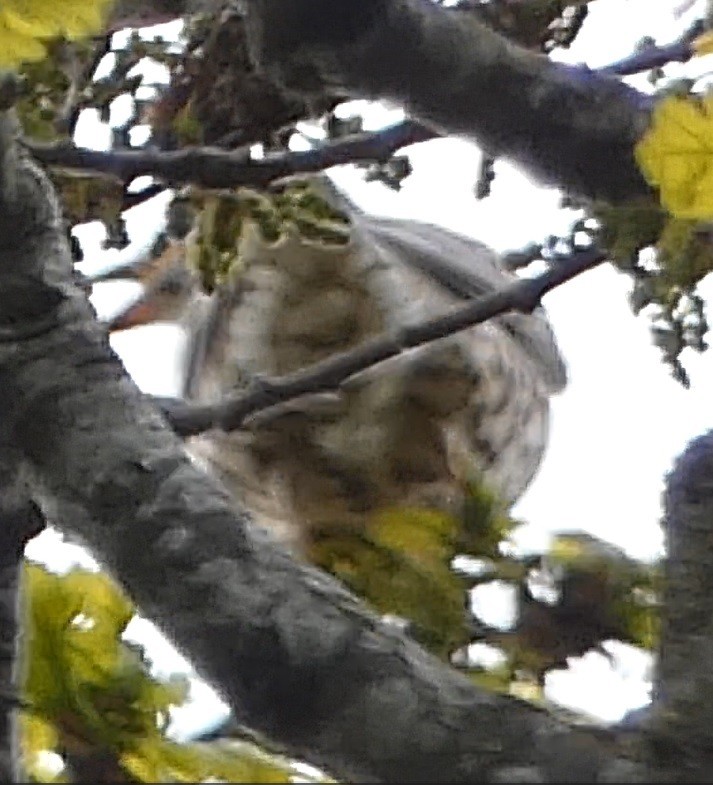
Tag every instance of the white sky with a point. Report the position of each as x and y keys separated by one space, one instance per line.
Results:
x=617 y=427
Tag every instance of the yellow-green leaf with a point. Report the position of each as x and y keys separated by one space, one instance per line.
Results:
x=675 y=155
x=26 y=26
x=400 y=562
x=703 y=45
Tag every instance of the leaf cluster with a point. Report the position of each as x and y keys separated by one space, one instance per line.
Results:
x=94 y=701
x=667 y=258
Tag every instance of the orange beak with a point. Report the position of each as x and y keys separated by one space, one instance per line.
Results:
x=145 y=310
x=168 y=285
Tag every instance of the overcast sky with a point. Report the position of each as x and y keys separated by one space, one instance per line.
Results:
x=616 y=428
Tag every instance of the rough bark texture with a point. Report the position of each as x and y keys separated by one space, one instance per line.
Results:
x=684 y=688
x=566 y=125
x=20 y=520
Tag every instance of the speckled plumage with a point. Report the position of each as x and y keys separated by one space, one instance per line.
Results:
x=408 y=431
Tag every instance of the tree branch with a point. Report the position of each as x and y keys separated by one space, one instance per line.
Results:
x=297 y=657
x=215 y=168
x=20 y=521
x=684 y=685
x=566 y=125
x=230 y=413
x=20 y=518
x=679 y=51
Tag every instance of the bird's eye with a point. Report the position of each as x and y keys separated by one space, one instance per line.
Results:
x=173 y=282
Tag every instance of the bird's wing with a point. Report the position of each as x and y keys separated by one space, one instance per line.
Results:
x=464 y=267
x=206 y=324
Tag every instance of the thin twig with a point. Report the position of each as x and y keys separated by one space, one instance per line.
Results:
x=329 y=374
x=679 y=51
x=135 y=198
x=67 y=118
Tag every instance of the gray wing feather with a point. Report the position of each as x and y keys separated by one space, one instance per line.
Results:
x=465 y=267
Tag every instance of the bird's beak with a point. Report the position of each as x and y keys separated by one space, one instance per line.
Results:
x=145 y=310
x=167 y=286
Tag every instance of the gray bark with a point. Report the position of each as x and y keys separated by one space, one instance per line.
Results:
x=565 y=125
x=20 y=520
x=684 y=686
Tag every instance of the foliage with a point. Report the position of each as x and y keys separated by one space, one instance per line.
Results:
x=401 y=563
x=632 y=587
x=213 y=246
x=217 y=97
x=676 y=155
x=90 y=197
x=91 y=695
x=27 y=25
x=570 y=599
x=667 y=258
x=88 y=690
x=48 y=82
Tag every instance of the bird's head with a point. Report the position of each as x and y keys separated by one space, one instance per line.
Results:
x=168 y=281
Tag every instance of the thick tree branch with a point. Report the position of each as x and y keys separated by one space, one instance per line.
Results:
x=20 y=521
x=214 y=168
x=566 y=125
x=329 y=374
x=684 y=685
x=297 y=657
x=20 y=518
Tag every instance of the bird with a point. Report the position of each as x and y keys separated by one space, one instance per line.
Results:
x=408 y=432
